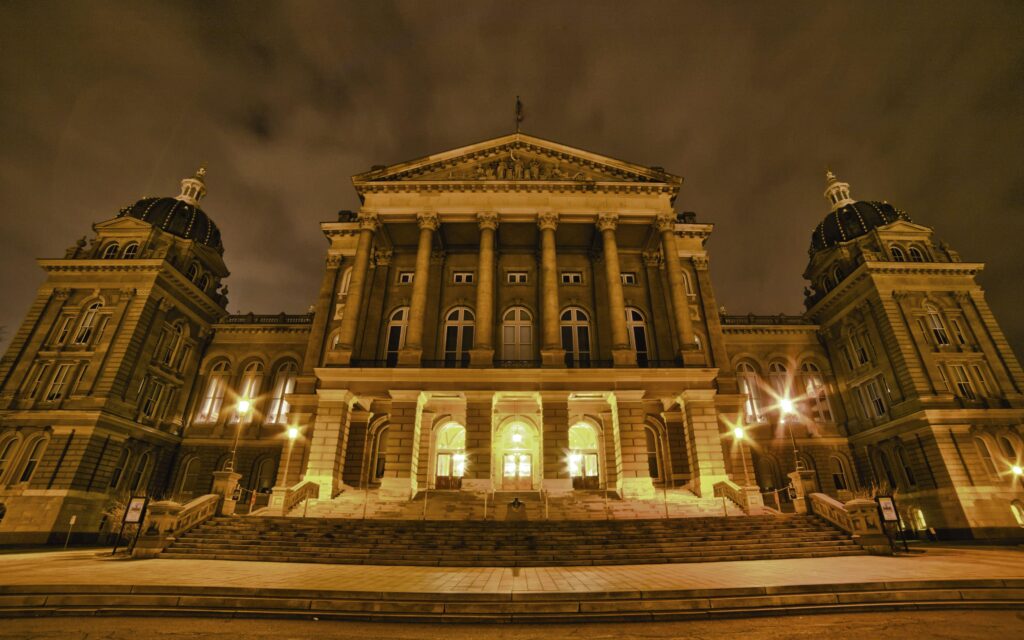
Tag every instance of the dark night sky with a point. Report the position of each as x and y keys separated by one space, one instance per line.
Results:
x=919 y=104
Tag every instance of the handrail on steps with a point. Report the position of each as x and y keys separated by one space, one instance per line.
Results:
x=747 y=498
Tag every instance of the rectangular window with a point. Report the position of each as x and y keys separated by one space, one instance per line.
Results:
x=979 y=374
x=405 y=277
x=572 y=277
x=964 y=388
x=65 y=330
x=57 y=385
x=151 y=400
x=628 y=278
x=874 y=403
x=861 y=351
x=37 y=381
x=958 y=332
x=943 y=378
x=78 y=381
x=848 y=357
x=462 y=277
x=517 y=277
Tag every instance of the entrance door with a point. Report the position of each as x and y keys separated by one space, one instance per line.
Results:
x=449 y=471
x=517 y=472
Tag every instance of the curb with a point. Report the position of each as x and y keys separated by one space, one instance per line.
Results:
x=506 y=607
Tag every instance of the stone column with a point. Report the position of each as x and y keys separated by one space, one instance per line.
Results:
x=551 y=352
x=368 y=225
x=328 y=439
x=703 y=441
x=482 y=355
x=621 y=353
x=412 y=354
x=677 y=288
x=324 y=311
x=479 y=418
x=402 y=466
x=555 y=438
x=635 y=479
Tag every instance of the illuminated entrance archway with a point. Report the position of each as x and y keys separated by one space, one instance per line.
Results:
x=450 y=458
x=583 y=456
x=517 y=455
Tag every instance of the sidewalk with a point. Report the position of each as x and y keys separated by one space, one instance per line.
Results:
x=940 y=578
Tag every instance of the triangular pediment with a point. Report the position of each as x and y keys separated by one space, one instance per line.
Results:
x=517 y=158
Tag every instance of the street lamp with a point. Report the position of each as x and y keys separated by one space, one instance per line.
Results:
x=787 y=407
x=242 y=409
x=293 y=433
x=1017 y=471
x=740 y=435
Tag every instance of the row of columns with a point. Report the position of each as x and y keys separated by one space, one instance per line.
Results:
x=552 y=354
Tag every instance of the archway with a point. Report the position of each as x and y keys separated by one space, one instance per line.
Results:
x=583 y=456
x=450 y=452
x=517 y=453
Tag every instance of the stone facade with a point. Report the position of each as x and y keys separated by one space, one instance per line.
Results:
x=515 y=315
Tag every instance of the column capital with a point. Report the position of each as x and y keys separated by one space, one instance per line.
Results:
x=547 y=220
x=487 y=220
x=665 y=222
x=652 y=258
x=700 y=263
x=607 y=221
x=368 y=220
x=428 y=220
x=382 y=257
x=334 y=260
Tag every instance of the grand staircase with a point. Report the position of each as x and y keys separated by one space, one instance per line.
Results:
x=529 y=543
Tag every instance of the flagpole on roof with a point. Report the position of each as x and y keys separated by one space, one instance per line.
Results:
x=519 y=113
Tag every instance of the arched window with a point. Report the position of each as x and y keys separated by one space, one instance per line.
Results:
x=193 y=272
x=395 y=340
x=636 y=327
x=130 y=250
x=458 y=337
x=188 y=479
x=653 y=461
x=7 y=451
x=451 y=456
x=32 y=458
x=778 y=376
x=284 y=383
x=815 y=392
x=935 y=324
x=908 y=471
x=583 y=456
x=575 y=325
x=687 y=283
x=840 y=474
x=249 y=387
x=748 y=382
x=122 y=464
x=1008 y=450
x=170 y=343
x=986 y=457
x=204 y=282
x=517 y=334
x=346 y=281
x=1017 y=509
x=916 y=255
x=837 y=273
x=140 y=475
x=766 y=469
x=110 y=253
x=88 y=323
x=213 y=399
x=883 y=470
x=380 y=454
x=828 y=285
x=264 y=475
x=897 y=254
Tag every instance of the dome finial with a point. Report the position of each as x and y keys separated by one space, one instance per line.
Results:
x=193 y=189
x=837 y=193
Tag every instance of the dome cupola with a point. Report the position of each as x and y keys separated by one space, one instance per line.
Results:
x=181 y=215
x=849 y=218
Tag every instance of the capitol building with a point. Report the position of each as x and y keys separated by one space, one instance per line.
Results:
x=515 y=317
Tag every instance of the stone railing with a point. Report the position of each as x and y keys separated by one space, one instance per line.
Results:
x=858 y=517
x=167 y=519
x=748 y=498
x=284 y=499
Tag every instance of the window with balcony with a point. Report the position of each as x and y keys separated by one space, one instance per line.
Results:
x=459 y=326
x=575 y=327
x=517 y=335
x=636 y=327
x=395 y=338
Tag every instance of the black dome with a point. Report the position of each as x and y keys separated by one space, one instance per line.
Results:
x=178 y=218
x=852 y=221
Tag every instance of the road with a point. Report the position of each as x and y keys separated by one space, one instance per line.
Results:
x=868 y=626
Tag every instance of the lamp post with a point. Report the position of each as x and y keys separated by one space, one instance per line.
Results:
x=740 y=435
x=786 y=407
x=242 y=410
x=293 y=433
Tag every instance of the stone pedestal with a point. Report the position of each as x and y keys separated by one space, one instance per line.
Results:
x=692 y=357
x=557 y=486
x=552 y=358
x=477 y=485
x=341 y=356
x=161 y=519
x=395 y=490
x=753 y=499
x=224 y=484
x=624 y=357
x=637 y=488
x=481 y=358
x=409 y=357
x=804 y=485
x=867 y=526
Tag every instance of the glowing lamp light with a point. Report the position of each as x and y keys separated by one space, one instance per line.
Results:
x=293 y=433
x=1017 y=470
x=517 y=437
x=244 y=405
x=739 y=433
x=574 y=463
x=786 y=405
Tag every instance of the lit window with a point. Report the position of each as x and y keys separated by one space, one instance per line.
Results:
x=572 y=277
x=749 y=384
x=462 y=277
x=517 y=277
x=249 y=386
x=778 y=375
x=284 y=383
x=405 y=277
x=1017 y=508
x=213 y=399
x=814 y=391
x=628 y=278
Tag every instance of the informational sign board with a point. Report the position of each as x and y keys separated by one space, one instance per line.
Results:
x=888 y=508
x=136 y=509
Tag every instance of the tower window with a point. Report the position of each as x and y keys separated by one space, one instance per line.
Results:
x=897 y=254
x=462 y=277
x=628 y=278
x=916 y=255
x=131 y=251
x=572 y=277
x=405 y=277
x=517 y=277
x=964 y=388
x=111 y=251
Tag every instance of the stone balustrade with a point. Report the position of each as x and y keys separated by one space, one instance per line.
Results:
x=858 y=517
x=748 y=498
x=167 y=519
x=284 y=499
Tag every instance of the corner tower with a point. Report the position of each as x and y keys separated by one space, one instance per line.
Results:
x=932 y=390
